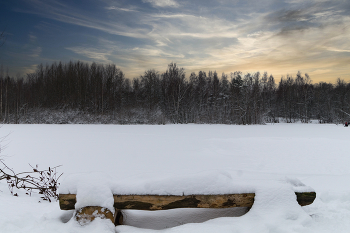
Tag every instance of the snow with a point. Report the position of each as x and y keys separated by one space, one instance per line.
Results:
x=274 y=161
x=202 y=183
x=92 y=189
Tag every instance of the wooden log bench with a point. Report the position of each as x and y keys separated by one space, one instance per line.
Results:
x=162 y=202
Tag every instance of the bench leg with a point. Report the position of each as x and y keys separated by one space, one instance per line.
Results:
x=118 y=217
x=89 y=213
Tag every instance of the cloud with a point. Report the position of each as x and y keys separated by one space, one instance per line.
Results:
x=29 y=69
x=60 y=12
x=36 y=52
x=92 y=53
x=294 y=42
x=338 y=50
x=162 y=3
x=120 y=9
x=32 y=37
x=156 y=52
x=168 y=28
x=223 y=35
x=287 y=15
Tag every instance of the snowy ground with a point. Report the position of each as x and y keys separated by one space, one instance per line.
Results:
x=271 y=160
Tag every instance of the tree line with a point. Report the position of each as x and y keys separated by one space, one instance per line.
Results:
x=78 y=92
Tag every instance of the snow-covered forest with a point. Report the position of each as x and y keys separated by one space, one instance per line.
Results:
x=77 y=92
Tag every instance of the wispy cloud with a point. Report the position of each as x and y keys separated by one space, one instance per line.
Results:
x=120 y=9
x=35 y=52
x=156 y=52
x=64 y=13
x=338 y=50
x=29 y=69
x=162 y=3
x=222 y=35
x=92 y=53
x=32 y=37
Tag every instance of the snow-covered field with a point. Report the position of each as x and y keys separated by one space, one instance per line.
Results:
x=271 y=160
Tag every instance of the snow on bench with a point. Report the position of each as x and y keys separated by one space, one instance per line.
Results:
x=96 y=195
x=162 y=202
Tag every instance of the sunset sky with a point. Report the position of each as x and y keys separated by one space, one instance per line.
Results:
x=280 y=37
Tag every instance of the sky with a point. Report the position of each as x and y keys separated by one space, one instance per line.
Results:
x=277 y=36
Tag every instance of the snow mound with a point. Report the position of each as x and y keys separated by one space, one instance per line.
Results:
x=92 y=189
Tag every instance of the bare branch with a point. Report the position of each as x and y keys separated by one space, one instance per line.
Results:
x=44 y=181
x=344 y=112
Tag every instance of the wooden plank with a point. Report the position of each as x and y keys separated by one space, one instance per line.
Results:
x=160 y=202
x=163 y=202
x=155 y=202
